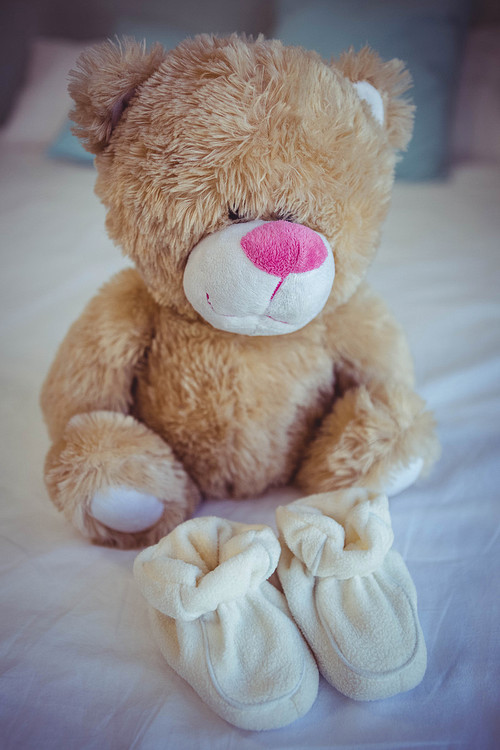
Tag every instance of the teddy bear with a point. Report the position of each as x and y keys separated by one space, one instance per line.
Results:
x=247 y=182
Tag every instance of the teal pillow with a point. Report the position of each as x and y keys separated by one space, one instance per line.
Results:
x=426 y=34
x=68 y=146
x=168 y=36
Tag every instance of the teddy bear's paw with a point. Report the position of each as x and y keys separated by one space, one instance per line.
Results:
x=126 y=509
x=402 y=477
x=117 y=481
x=381 y=437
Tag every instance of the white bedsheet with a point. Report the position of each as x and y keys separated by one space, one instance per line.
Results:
x=79 y=668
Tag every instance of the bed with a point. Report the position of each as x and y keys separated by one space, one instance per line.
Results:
x=79 y=668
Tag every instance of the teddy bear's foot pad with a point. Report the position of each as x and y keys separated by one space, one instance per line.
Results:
x=126 y=509
x=402 y=477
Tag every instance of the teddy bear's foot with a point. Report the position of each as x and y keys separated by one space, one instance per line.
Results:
x=378 y=436
x=117 y=481
x=403 y=477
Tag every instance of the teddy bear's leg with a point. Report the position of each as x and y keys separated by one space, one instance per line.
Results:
x=117 y=481
x=377 y=435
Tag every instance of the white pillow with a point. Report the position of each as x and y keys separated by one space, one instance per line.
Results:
x=44 y=102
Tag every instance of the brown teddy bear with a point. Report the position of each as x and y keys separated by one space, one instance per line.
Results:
x=247 y=181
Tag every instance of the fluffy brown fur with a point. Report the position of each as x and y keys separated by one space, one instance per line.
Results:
x=180 y=139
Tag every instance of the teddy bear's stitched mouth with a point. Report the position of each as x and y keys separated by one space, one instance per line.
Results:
x=285 y=323
x=225 y=315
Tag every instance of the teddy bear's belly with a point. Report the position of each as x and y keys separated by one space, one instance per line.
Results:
x=237 y=416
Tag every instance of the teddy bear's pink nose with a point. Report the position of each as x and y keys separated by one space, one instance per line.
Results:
x=281 y=248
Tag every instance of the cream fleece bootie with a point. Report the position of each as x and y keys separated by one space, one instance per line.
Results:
x=223 y=627
x=351 y=595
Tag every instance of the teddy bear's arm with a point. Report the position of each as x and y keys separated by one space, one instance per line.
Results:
x=95 y=364
x=368 y=344
x=378 y=433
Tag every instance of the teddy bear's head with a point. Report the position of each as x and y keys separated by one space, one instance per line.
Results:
x=247 y=180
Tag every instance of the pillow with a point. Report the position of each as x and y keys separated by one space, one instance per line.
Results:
x=68 y=146
x=427 y=34
x=169 y=36
x=44 y=101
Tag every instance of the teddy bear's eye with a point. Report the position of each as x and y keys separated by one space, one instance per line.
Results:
x=233 y=214
x=285 y=217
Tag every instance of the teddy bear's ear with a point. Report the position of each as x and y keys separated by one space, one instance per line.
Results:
x=105 y=80
x=381 y=85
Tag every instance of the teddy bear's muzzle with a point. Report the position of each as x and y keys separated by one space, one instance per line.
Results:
x=260 y=278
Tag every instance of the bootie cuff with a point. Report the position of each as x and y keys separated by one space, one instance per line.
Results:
x=341 y=534
x=203 y=563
